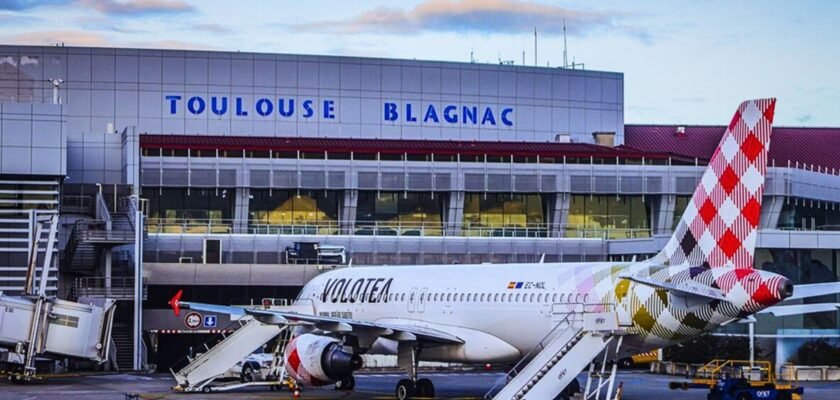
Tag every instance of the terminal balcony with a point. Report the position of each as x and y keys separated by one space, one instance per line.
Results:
x=119 y=288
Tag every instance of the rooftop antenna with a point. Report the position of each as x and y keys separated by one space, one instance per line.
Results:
x=523 y=57
x=565 y=47
x=472 y=58
x=535 y=46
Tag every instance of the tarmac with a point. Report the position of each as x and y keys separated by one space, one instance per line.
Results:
x=637 y=385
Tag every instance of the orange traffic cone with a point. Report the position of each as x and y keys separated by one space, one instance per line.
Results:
x=296 y=394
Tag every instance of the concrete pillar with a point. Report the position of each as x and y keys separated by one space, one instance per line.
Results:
x=560 y=214
x=663 y=213
x=347 y=217
x=242 y=200
x=108 y=268
x=454 y=214
x=771 y=209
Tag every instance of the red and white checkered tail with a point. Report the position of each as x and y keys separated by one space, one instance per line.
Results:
x=720 y=222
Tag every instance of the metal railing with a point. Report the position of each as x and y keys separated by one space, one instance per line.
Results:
x=121 y=288
x=77 y=204
x=95 y=231
x=388 y=228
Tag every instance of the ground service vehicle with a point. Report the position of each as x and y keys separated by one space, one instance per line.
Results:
x=741 y=380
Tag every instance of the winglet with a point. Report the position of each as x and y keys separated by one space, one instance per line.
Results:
x=175 y=302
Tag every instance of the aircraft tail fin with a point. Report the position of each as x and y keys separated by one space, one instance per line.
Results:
x=719 y=225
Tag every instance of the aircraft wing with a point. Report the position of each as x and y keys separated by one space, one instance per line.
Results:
x=814 y=290
x=797 y=309
x=331 y=324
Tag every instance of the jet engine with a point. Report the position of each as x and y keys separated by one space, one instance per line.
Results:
x=319 y=360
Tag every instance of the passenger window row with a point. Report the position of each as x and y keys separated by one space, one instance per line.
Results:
x=490 y=297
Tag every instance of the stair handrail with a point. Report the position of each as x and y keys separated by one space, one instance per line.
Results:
x=102 y=212
x=215 y=339
x=525 y=360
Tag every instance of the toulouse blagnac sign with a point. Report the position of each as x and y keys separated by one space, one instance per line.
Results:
x=287 y=107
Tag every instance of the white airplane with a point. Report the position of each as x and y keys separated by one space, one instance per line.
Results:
x=701 y=280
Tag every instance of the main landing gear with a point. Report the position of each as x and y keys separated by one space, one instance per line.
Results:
x=406 y=389
x=408 y=359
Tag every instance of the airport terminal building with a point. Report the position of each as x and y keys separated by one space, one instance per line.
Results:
x=231 y=158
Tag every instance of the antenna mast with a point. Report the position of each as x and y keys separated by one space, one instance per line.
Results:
x=535 y=46
x=565 y=47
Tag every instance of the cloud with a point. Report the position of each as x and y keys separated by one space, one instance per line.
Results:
x=482 y=16
x=67 y=37
x=212 y=28
x=20 y=5
x=171 y=45
x=136 y=7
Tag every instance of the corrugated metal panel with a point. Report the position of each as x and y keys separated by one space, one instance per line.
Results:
x=549 y=183
x=654 y=184
x=336 y=180
x=579 y=183
x=685 y=184
x=817 y=146
x=631 y=184
x=526 y=183
x=285 y=179
x=420 y=181
x=498 y=183
x=175 y=177
x=203 y=177
x=150 y=176
x=443 y=181
x=391 y=146
x=474 y=182
x=368 y=180
x=260 y=178
x=393 y=181
x=313 y=179
x=605 y=184
x=227 y=177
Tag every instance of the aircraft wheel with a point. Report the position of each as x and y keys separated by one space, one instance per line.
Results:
x=347 y=383
x=405 y=389
x=425 y=388
x=247 y=374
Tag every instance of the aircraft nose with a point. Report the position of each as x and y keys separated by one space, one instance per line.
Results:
x=785 y=288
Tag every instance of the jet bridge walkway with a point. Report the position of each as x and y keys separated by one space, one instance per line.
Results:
x=557 y=360
x=205 y=368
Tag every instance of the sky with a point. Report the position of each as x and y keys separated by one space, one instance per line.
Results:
x=684 y=62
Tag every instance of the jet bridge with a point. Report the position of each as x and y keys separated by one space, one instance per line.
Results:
x=34 y=325
x=565 y=352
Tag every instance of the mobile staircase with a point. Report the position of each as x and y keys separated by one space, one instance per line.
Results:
x=205 y=368
x=557 y=360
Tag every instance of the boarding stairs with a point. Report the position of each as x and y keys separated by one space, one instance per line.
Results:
x=557 y=360
x=216 y=360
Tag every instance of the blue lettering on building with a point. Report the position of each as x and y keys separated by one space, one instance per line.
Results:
x=307 y=109
x=285 y=107
x=452 y=114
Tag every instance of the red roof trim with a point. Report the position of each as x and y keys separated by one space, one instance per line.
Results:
x=393 y=146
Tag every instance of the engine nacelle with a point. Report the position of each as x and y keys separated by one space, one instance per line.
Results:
x=319 y=360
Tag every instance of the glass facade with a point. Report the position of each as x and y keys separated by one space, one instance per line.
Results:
x=308 y=212
x=399 y=213
x=802 y=214
x=804 y=267
x=179 y=210
x=680 y=204
x=505 y=214
x=608 y=216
